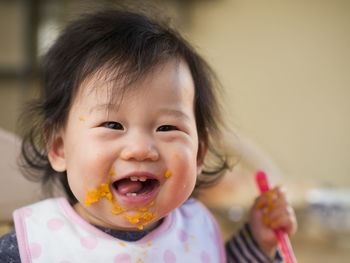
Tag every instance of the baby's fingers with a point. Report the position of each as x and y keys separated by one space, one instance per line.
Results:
x=283 y=217
x=261 y=201
x=271 y=199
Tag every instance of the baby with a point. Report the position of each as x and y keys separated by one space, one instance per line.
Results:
x=126 y=118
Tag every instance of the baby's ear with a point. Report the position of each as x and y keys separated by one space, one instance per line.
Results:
x=202 y=151
x=55 y=149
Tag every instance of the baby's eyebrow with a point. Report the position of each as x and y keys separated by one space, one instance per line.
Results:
x=103 y=107
x=176 y=113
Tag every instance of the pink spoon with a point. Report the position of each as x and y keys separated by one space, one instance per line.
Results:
x=282 y=237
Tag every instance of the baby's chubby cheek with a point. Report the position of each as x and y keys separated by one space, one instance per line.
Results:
x=180 y=178
x=185 y=165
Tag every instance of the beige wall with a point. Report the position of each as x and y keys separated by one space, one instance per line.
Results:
x=10 y=32
x=286 y=68
x=12 y=95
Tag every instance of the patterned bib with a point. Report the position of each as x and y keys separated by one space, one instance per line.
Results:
x=51 y=231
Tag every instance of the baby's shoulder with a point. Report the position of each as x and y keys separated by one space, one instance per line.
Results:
x=9 y=248
x=8 y=239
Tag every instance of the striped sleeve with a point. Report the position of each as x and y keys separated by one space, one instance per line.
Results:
x=242 y=248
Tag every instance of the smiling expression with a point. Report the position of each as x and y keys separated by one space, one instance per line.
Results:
x=142 y=147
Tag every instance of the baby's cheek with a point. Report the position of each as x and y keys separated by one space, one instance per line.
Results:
x=184 y=156
x=183 y=177
x=186 y=165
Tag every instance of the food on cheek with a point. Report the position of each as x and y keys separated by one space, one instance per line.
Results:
x=103 y=191
x=167 y=174
x=81 y=119
x=94 y=195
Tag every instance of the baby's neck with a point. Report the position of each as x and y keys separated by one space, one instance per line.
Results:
x=129 y=236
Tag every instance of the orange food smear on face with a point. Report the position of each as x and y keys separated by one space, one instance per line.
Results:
x=167 y=174
x=146 y=218
x=81 y=119
x=111 y=172
x=176 y=155
x=116 y=209
x=103 y=191
x=145 y=209
x=94 y=195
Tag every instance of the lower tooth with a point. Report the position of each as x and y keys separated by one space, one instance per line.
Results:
x=131 y=194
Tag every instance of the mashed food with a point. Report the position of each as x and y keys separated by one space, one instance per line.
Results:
x=103 y=191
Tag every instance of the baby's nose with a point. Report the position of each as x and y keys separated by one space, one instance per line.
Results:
x=140 y=149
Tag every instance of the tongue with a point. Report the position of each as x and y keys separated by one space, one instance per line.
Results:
x=127 y=186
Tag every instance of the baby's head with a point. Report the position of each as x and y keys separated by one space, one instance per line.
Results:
x=128 y=113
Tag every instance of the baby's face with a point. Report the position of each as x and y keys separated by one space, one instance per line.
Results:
x=130 y=164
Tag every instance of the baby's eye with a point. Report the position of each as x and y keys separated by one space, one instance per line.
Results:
x=113 y=125
x=165 y=128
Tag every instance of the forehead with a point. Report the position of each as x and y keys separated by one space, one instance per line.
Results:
x=168 y=80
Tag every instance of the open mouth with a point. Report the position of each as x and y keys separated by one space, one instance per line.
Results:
x=135 y=186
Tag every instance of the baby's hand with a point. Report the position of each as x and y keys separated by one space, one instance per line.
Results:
x=270 y=211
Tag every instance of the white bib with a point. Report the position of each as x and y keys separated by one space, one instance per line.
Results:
x=52 y=232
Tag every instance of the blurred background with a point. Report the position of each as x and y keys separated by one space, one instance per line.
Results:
x=285 y=68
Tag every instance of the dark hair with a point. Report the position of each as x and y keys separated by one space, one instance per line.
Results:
x=129 y=45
